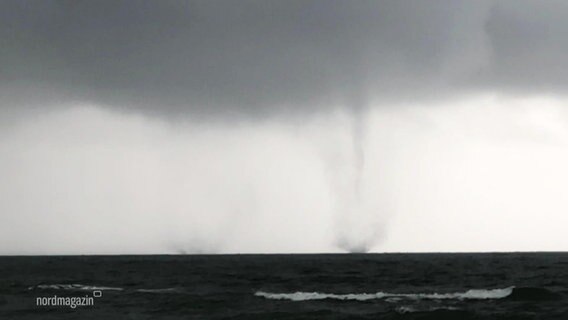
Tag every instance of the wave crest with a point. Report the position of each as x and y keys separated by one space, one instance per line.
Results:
x=473 y=294
x=415 y=309
x=73 y=286
x=82 y=287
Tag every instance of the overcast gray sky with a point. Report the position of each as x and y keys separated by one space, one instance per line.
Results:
x=282 y=126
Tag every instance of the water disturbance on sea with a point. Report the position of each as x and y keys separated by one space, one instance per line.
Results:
x=342 y=286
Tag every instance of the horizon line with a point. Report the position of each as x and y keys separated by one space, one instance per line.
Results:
x=275 y=254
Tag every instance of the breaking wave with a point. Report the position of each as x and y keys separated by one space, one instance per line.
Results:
x=415 y=309
x=74 y=286
x=81 y=287
x=473 y=294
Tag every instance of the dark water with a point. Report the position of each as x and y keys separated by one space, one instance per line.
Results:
x=371 y=286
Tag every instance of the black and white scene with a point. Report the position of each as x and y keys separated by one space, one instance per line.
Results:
x=283 y=159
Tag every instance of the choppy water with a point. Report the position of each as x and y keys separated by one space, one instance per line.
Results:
x=365 y=286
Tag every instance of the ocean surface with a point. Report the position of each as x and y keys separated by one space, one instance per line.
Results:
x=342 y=286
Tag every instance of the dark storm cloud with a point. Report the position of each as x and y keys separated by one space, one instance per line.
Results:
x=262 y=57
x=529 y=46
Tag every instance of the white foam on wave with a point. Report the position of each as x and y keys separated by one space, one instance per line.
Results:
x=81 y=287
x=406 y=309
x=413 y=309
x=473 y=294
x=302 y=296
x=74 y=286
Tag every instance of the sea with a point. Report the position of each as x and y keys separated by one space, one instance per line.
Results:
x=286 y=286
